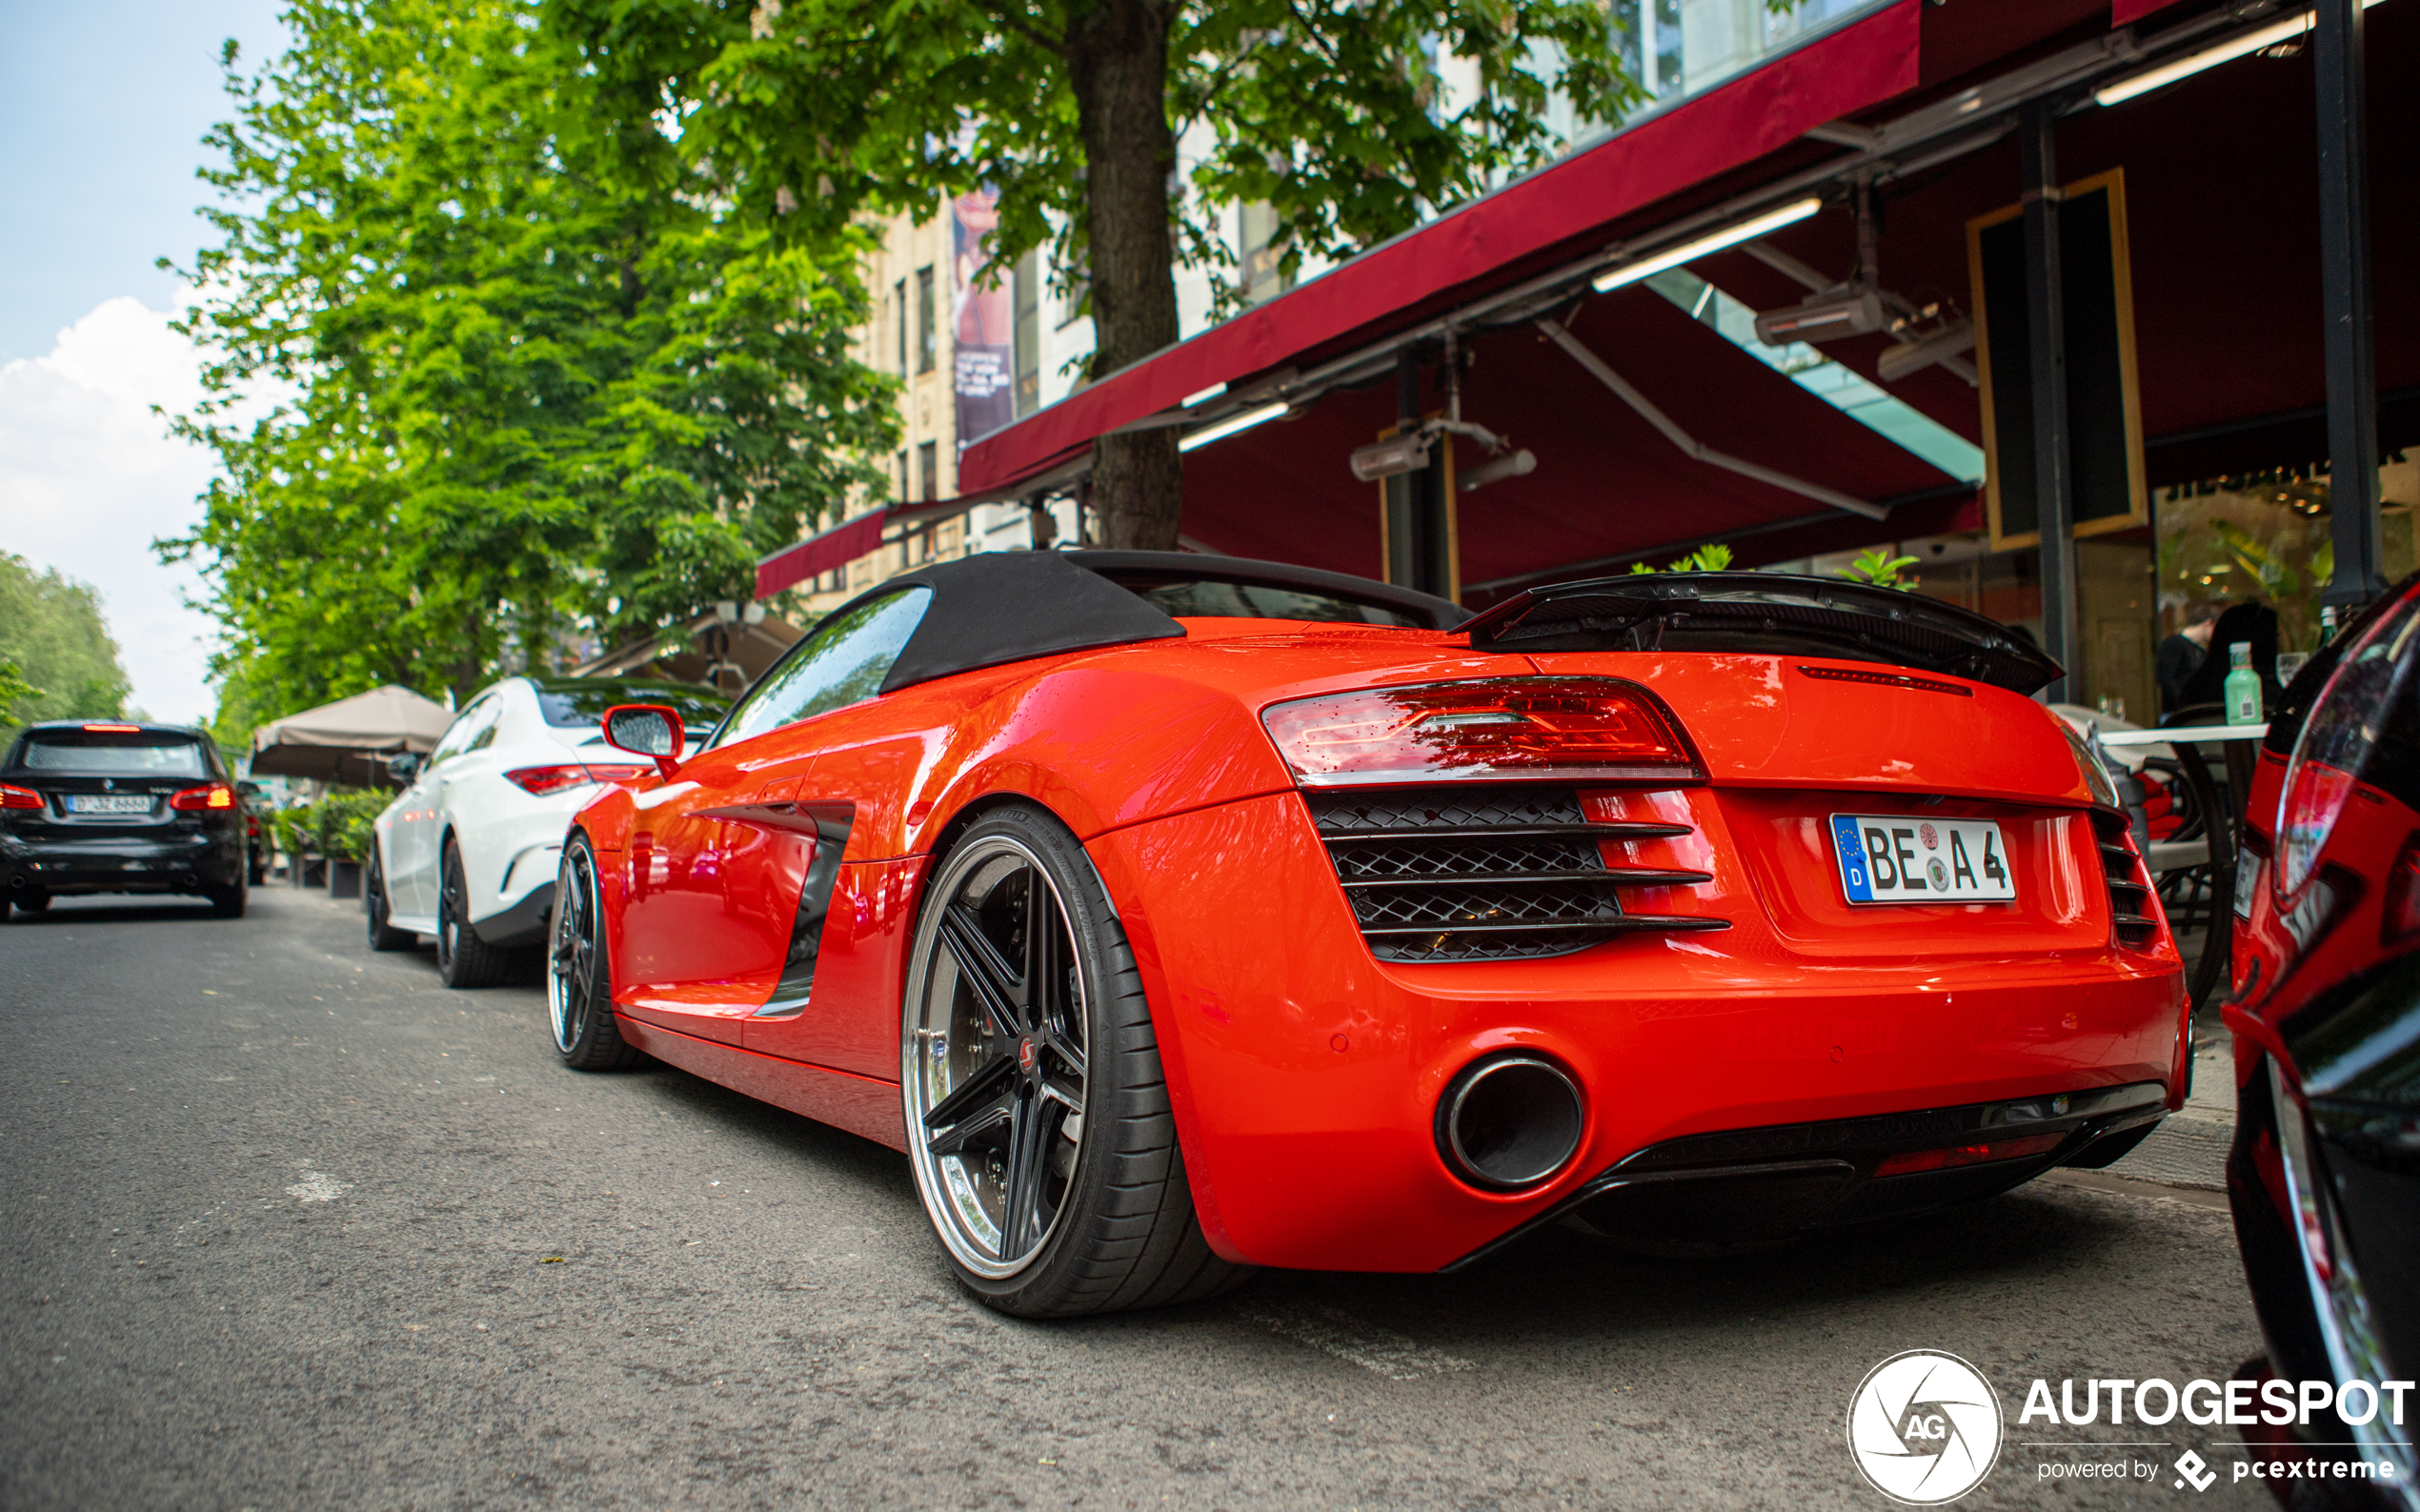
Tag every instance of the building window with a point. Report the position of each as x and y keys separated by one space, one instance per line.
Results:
x=1080 y=288
x=899 y=314
x=906 y=491
x=927 y=332
x=1263 y=254
x=928 y=467
x=1027 y=285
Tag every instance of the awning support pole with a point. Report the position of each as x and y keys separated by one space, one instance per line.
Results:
x=2343 y=295
x=1419 y=525
x=1672 y=432
x=2045 y=328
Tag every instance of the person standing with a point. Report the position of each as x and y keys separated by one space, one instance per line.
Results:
x=2181 y=655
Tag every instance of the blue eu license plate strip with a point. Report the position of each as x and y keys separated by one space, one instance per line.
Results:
x=1897 y=859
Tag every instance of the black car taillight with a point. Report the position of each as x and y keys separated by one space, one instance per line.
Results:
x=217 y=795
x=19 y=797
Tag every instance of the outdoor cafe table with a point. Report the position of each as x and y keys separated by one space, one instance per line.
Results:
x=2184 y=735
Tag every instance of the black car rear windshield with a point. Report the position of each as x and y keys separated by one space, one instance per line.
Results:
x=580 y=703
x=1206 y=598
x=110 y=753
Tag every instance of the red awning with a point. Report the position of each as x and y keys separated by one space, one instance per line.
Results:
x=2223 y=225
x=1836 y=75
x=1605 y=479
x=835 y=548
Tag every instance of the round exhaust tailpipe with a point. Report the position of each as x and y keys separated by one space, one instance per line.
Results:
x=1508 y=1123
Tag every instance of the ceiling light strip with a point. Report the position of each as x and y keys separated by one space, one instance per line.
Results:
x=1712 y=242
x=1232 y=423
x=2235 y=47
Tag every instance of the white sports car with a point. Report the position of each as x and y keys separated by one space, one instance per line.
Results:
x=470 y=850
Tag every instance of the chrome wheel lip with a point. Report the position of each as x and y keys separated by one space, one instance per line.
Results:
x=932 y=1186
x=575 y=888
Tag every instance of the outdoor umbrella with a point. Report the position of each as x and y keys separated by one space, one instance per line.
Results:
x=348 y=740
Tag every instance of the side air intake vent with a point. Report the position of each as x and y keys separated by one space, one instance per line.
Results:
x=1486 y=873
x=2131 y=902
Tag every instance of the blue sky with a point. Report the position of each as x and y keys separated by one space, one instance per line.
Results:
x=102 y=106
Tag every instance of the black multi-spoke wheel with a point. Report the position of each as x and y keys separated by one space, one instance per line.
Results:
x=380 y=908
x=1038 y=1117
x=579 y=989
x=463 y=958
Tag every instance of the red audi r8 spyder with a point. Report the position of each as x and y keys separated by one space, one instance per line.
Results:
x=1178 y=914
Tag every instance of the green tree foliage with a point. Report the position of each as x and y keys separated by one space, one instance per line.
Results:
x=57 y=659
x=806 y=113
x=15 y=693
x=531 y=401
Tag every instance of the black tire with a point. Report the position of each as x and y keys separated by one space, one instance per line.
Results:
x=5 y=906
x=227 y=902
x=1024 y=1013
x=463 y=958
x=32 y=902
x=579 y=975
x=380 y=908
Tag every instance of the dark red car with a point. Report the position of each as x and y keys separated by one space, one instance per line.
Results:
x=2325 y=1173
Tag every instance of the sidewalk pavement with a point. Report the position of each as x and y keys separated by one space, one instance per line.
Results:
x=2188 y=1149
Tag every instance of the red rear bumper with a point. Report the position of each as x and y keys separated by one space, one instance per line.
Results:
x=1305 y=1074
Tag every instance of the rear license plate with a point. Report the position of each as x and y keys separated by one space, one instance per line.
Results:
x=1894 y=859
x=109 y=803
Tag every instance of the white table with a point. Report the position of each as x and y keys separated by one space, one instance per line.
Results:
x=2183 y=734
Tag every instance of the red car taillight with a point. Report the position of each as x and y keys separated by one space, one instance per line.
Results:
x=217 y=795
x=19 y=798
x=2339 y=740
x=539 y=781
x=1584 y=728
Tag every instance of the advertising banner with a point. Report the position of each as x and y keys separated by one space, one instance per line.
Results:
x=982 y=321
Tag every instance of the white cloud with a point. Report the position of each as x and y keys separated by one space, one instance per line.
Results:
x=89 y=477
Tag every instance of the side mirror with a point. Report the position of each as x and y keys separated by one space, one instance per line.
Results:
x=652 y=730
x=403 y=766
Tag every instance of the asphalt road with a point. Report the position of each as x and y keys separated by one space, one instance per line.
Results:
x=287 y=1224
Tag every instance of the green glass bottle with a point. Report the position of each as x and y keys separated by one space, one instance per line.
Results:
x=2243 y=686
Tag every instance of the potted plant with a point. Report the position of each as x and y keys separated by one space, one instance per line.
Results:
x=346 y=832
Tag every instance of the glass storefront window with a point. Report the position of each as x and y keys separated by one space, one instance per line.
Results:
x=2265 y=538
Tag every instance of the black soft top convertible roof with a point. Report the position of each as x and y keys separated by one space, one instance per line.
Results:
x=999 y=607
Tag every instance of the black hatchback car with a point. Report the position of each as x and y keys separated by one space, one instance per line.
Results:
x=107 y=807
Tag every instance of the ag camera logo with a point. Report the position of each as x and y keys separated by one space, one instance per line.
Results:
x=1924 y=1427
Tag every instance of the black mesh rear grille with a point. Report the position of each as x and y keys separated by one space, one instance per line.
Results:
x=1396 y=809
x=1485 y=856
x=2130 y=905
x=1485 y=873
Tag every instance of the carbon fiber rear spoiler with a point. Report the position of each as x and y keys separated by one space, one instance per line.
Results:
x=1770 y=613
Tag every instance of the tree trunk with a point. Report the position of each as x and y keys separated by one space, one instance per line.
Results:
x=1117 y=60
